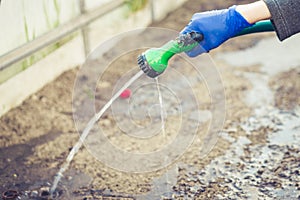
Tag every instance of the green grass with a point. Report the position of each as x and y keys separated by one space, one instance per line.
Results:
x=136 y=5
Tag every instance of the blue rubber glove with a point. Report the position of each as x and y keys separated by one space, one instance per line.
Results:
x=216 y=26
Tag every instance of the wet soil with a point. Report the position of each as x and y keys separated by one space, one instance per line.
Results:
x=286 y=87
x=247 y=162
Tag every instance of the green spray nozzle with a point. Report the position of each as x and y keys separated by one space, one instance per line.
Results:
x=154 y=61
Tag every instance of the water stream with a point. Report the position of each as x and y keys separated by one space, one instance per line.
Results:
x=162 y=116
x=86 y=131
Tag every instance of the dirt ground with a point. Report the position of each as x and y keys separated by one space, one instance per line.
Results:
x=37 y=136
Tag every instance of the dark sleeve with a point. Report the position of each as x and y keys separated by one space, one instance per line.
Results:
x=285 y=17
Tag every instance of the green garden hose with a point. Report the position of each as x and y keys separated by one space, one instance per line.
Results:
x=262 y=26
x=154 y=61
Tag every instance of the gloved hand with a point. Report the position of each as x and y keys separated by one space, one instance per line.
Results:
x=217 y=26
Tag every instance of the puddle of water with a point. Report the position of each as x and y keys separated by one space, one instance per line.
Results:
x=260 y=94
x=162 y=186
x=248 y=170
x=274 y=57
x=289 y=133
x=201 y=115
